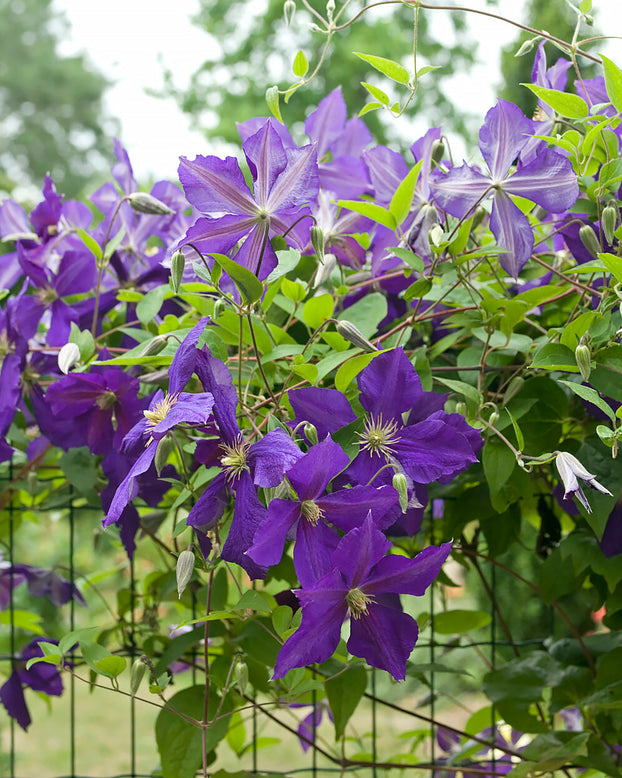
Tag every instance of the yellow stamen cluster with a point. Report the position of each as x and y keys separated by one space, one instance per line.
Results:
x=159 y=412
x=379 y=437
x=311 y=511
x=235 y=458
x=358 y=602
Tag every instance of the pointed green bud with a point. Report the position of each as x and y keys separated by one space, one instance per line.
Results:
x=163 y=451
x=351 y=333
x=438 y=152
x=32 y=482
x=589 y=240
x=219 y=307
x=240 y=675
x=584 y=360
x=330 y=9
x=317 y=241
x=146 y=203
x=608 y=220
x=154 y=346
x=178 y=263
x=400 y=484
x=310 y=433
x=461 y=408
x=68 y=356
x=184 y=570
x=514 y=387
x=289 y=9
x=137 y=673
x=494 y=418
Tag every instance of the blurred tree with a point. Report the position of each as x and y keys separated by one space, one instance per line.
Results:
x=556 y=17
x=51 y=113
x=252 y=48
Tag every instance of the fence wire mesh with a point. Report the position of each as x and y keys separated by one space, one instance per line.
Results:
x=96 y=732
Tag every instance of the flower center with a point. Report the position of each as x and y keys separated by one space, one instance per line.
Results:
x=379 y=437
x=47 y=295
x=358 y=602
x=311 y=511
x=159 y=412
x=107 y=399
x=235 y=459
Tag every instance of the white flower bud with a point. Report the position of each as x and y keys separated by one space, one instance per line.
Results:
x=348 y=331
x=68 y=356
x=289 y=9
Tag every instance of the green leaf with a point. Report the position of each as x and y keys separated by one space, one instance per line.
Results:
x=563 y=103
x=520 y=440
x=94 y=653
x=499 y=462
x=249 y=285
x=301 y=65
x=381 y=96
x=412 y=260
x=344 y=693
x=459 y=621
x=387 y=67
x=113 y=244
x=256 y=601
x=90 y=242
x=179 y=741
x=111 y=666
x=288 y=259
x=317 y=310
x=83 y=340
x=368 y=108
x=350 y=369
x=367 y=313
x=554 y=356
x=585 y=6
x=80 y=469
x=613 y=264
x=470 y=392
x=293 y=290
x=613 y=82
x=149 y=306
x=591 y=396
x=272 y=101
x=402 y=200
x=374 y=212
x=418 y=289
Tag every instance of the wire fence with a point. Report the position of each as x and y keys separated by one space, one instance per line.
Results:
x=93 y=732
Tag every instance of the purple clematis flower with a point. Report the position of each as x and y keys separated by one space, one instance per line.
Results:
x=42 y=582
x=311 y=515
x=41 y=677
x=246 y=466
x=363 y=584
x=570 y=470
x=285 y=183
x=165 y=412
x=548 y=180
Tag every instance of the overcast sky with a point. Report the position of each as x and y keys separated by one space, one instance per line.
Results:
x=126 y=38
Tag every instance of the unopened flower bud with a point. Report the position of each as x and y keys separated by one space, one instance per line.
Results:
x=163 y=451
x=330 y=8
x=461 y=408
x=289 y=9
x=584 y=360
x=317 y=241
x=137 y=673
x=323 y=272
x=68 y=356
x=178 y=263
x=589 y=240
x=154 y=346
x=436 y=235
x=310 y=433
x=351 y=333
x=146 y=203
x=494 y=418
x=514 y=387
x=219 y=307
x=240 y=675
x=608 y=220
x=184 y=570
x=438 y=151
x=400 y=484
